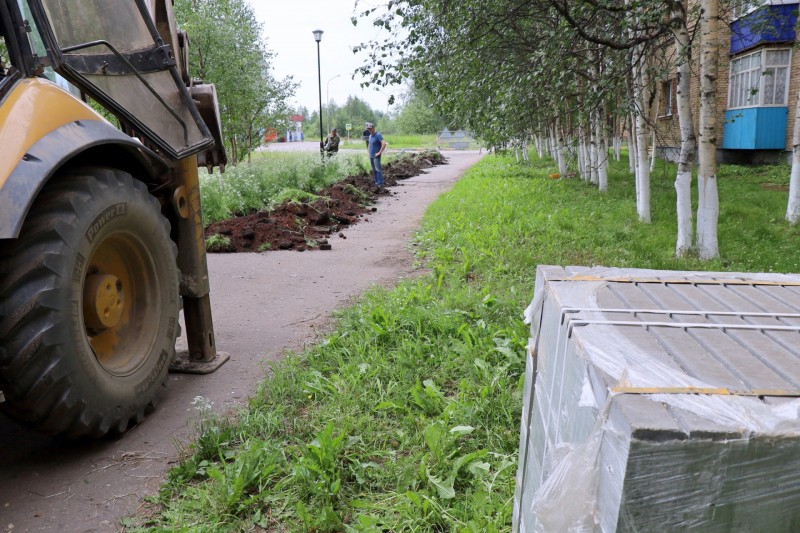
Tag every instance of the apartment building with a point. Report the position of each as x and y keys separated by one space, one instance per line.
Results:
x=757 y=86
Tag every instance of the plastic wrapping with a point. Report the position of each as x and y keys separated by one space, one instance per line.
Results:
x=659 y=400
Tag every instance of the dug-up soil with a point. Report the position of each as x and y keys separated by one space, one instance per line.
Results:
x=305 y=226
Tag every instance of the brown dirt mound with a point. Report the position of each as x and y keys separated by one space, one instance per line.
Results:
x=308 y=225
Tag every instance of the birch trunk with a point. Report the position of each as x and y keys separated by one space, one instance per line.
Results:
x=582 y=154
x=643 y=168
x=793 y=206
x=683 y=180
x=632 y=145
x=592 y=151
x=562 y=163
x=708 y=199
x=602 y=154
x=602 y=170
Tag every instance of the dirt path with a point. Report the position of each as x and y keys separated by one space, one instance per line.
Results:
x=263 y=304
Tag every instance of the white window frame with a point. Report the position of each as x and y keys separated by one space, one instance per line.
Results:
x=743 y=7
x=740 y=8
x=738 y=93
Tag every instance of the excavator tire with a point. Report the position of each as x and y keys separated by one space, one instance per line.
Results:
x=89 y=306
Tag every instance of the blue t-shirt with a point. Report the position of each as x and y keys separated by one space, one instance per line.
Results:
x=375 y=141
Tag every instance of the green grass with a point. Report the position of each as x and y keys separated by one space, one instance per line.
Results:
x=406 y=417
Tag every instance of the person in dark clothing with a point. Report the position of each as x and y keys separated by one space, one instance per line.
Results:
x=331 y=145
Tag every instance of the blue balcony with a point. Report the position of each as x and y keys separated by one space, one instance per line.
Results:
x=755 y=128
x=768 y=24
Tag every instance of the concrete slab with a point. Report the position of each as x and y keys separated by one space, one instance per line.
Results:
x=660 y=401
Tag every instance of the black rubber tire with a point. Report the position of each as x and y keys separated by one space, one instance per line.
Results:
x=57 y=374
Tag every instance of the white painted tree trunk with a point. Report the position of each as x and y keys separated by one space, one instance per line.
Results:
x=793 y=206
x=632 y=145
x=592 y=170
x=562 y=162
x=583 y=156
x=683 y=180
x=643 y=168
x=602 y=153
x=708 y=199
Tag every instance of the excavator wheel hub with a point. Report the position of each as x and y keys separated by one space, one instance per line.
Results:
x=103 y=301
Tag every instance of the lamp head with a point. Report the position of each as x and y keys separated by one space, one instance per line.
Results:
x=317 y=35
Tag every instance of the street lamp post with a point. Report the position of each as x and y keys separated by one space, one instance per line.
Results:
x=328 y=100
x=318 y=38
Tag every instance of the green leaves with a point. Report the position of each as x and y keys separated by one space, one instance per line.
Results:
x=228 y=50
x=428 y=397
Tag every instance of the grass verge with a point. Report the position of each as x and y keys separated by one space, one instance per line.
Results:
x=406 y=418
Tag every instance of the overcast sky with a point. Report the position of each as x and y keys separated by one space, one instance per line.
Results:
x=288 y=25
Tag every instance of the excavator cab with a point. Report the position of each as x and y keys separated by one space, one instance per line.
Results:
x=101 y=238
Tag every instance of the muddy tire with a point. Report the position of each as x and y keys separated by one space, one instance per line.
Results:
x=88 y=306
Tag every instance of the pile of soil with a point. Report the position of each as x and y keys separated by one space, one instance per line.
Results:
x=305 y=226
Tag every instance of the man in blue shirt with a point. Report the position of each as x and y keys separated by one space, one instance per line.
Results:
x=375 y=145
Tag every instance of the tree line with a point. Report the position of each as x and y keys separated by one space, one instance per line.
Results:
x=414 y=114
x=573 y=78
x=227 y=48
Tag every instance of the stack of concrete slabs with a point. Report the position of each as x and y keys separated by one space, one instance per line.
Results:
x=660 y=401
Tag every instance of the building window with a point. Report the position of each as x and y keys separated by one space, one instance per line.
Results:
x=741 y=8
x=760 y=79
x=667 y=101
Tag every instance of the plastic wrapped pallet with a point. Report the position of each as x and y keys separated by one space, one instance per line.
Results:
x=660 y=401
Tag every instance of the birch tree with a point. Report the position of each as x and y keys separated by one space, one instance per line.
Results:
x=513 y=68
x=793 y=206
x=707 y=197
x=641 y=97
x=683 y=180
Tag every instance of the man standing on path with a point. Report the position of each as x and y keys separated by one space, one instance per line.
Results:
x=376 y=145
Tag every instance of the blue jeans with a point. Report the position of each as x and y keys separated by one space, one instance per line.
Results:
x=375 y=163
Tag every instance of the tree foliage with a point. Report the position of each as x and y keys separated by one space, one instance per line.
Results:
x=419 y=114
x=576 y=73
x=501 y=67
x=227 y=49
x=355 y=112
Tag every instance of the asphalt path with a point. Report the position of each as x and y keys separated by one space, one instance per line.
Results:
x=263 y=306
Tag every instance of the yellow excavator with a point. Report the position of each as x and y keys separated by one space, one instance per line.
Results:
x=102 y=131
